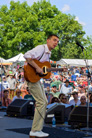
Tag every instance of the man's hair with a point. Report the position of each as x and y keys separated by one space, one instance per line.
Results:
x=51 y=36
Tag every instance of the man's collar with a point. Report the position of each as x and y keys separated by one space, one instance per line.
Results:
x=46 y=49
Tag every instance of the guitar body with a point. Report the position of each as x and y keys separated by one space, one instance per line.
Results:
x=31 y=75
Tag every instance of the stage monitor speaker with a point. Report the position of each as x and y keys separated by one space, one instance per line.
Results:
x=21 y=107
x=78 y=117
x=56 y=110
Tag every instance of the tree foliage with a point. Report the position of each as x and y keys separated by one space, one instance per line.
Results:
x=23 y=27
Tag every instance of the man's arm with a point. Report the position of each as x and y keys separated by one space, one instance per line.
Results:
x=33 y=64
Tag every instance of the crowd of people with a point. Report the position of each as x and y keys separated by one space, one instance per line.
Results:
x=13 y=85
x=72 y=87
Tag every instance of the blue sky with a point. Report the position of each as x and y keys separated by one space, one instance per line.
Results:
x=82 y=9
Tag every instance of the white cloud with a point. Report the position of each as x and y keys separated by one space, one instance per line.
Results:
x=66 y=8
x=77 y=19
x=30 y=2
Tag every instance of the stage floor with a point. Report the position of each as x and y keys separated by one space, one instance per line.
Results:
x=12 y=127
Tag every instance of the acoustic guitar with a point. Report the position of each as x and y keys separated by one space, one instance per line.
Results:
x=31 y=75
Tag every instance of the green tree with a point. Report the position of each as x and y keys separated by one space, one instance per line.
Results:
x=87 y=52
x=23 y=27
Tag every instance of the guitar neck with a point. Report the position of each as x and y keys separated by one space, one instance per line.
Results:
x=54 y=69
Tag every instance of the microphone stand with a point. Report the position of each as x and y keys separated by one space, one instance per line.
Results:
x=88 y=75
x=1 y=87
x=1 y=82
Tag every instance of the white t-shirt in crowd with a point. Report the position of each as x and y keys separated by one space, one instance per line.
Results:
x=15 y=97
x=72 y=102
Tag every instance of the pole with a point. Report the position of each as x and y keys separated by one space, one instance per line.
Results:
x=1 y=81
x=88 y=75
x=87 y=93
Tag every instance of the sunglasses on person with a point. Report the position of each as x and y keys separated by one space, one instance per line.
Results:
x=64 y=98
x=75 y=93
x=83 y=98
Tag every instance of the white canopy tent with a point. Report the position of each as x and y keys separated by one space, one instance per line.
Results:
x=74 y=62
x=18 y=58
x=4 y=62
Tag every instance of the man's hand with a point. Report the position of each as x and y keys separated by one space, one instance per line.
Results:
x=39 y=70
x=33 y=64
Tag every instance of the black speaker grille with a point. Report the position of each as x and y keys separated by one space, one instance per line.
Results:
x=79 y=116
x=18 y=102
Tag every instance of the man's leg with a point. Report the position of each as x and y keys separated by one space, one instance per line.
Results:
x=41 y=103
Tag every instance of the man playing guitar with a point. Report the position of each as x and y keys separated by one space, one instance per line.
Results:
x=41 y=53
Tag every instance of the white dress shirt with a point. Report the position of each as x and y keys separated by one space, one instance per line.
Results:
x=37 y=52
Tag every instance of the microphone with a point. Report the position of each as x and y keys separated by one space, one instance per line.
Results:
x=79 y=45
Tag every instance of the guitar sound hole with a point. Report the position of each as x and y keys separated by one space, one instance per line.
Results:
x=44 y=69
x=44 y=72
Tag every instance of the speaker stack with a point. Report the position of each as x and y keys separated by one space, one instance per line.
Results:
x=78 y=117
x=60 y=111
x=21 y=107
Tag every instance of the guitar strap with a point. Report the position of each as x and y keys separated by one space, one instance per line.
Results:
x=42 y=53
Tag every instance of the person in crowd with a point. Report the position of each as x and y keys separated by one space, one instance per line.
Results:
x=5 y=83
x=73 y=77
x=66 y=88
x=29 y=95
x=16 y=75
x=77 y=82
x=12 y=82
x=41 y=53
x=64 y=99
x=90 y=86
x=6 y=100
x=45 y=83
x=55 y=100
x=54 y=91
x=61 y=80
x=61 y=95
x=75 y=101
x=84 y=83
x=76 y=70
x=49 y=97
x=18 y=95
x=56 y=81
x=23 y=88
x=14 y=70
x=81 y=91
x=83 y=101
x=1 y=91
x=2 y=70
x=47 y=91
x=9 y=71
x=17 y=84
